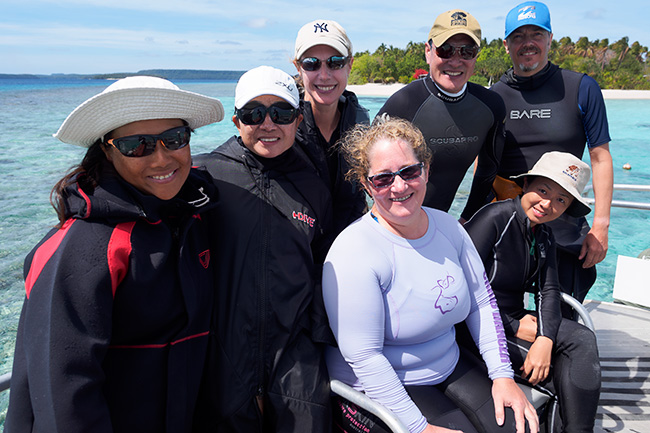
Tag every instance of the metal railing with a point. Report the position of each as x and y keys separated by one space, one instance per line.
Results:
x=622 y=203
x=365 y=402
x=5 y=380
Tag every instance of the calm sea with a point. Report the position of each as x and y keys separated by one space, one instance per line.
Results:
x=31 y=162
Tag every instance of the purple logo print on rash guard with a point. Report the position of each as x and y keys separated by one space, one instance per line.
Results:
x=445 y=303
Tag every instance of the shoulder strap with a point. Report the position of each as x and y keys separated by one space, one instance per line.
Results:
x=118 y=252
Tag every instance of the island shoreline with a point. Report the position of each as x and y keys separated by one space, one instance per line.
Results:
x=386 y=90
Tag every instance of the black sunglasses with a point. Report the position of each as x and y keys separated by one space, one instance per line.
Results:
x=281 y=113
x=384 y=180
x=145 y=144
x=447 y=51
x=313 y=63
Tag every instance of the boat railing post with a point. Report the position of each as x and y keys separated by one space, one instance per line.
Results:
x=5 y=381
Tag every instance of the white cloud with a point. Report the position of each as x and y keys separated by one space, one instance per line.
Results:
x=241 y=34
x=257 y=23
x=595 y=14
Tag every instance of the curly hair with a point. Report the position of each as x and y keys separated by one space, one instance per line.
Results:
x=357 y=142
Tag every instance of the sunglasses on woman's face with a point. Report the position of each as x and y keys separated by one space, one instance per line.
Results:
x=313 y=63
x=145 y=144
x=466 y=52
x=281 y=113
x=384 y=180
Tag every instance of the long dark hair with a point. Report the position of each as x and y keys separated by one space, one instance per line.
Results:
x=87 y=174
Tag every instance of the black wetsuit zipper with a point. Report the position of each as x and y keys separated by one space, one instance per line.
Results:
x=263 y=298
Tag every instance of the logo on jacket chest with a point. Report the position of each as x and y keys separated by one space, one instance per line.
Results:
x=204 y=258
x=444 y=303
x=300 y=216
x=454 y=136
x=535 y=113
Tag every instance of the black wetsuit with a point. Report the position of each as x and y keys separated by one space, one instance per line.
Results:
x=521 y=259
x=457 y=130
x=348 y=200
x=114 y=330
x=273 y=231
x=559 y=110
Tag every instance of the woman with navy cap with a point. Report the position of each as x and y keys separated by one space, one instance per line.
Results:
x=114 y=329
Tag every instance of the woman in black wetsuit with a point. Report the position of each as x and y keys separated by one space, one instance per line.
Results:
x=518 y=252
x=114 y=331
x=323 y=58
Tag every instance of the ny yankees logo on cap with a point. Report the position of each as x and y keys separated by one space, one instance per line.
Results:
x=320 y=26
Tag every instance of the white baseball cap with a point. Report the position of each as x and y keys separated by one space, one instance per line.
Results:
x=266 y=80
x=322 y=32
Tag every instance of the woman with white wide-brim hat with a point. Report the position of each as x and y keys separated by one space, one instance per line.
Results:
x=114 y=328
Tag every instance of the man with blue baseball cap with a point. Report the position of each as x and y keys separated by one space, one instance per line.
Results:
x=553 y=109
x=530 y=19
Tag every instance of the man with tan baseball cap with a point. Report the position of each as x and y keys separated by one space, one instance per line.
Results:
x=454 y=22
x=459 y=120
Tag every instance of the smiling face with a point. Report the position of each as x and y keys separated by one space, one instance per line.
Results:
x=450 y=74
x=324 y=86
x=162 y=173
x=398 y=206
x=267 y=139
x=544 y=200
x=528 y=47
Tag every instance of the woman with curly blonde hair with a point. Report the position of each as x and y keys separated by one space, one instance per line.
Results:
x=395 y=282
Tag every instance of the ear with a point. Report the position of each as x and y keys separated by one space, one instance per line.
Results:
x=367 y=188
x=505 y=45
x=298 y=68
x=107 y=152
x=235 y=120
x=428 y=52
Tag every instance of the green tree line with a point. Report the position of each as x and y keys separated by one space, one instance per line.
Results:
x=614 y=66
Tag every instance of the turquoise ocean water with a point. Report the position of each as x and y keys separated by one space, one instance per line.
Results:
x=31 y=161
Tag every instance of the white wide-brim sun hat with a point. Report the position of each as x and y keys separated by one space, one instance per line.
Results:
x=136 y=98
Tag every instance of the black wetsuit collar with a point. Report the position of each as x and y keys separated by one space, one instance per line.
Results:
x=532 y=82
x=433 y=88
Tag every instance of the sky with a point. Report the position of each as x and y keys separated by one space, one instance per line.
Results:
x=99 y=36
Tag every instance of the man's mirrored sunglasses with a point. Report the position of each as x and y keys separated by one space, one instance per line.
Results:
x=384 y=180
x=139 y=145
x=281 y=113
x=466 y=52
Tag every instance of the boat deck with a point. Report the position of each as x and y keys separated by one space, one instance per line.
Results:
x=623 y=334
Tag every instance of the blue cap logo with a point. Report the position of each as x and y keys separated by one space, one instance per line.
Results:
x=528 y=13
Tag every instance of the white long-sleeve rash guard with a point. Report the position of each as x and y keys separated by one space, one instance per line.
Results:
x=392 y=304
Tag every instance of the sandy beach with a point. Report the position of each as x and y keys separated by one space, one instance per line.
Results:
x=386 y=90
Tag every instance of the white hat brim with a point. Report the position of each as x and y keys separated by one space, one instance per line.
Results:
x=107 y=111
